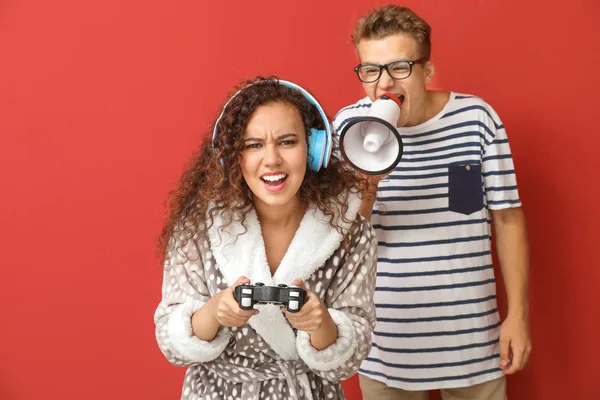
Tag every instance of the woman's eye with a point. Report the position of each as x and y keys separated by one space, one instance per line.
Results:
x=288 y=142
x=254 y=146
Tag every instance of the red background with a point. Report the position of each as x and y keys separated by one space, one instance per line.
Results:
x=102 y=103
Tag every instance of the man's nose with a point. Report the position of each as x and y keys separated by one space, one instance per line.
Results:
x=385 y=80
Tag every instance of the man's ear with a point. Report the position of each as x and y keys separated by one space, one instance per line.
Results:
x=429 y=71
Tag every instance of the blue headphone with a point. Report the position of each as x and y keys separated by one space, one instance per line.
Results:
x=319 y=141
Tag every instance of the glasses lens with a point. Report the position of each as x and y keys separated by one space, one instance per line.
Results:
x=368 y=73
x=399 y=69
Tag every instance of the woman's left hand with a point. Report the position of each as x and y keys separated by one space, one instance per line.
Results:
x=314 y=318
x=313 y=313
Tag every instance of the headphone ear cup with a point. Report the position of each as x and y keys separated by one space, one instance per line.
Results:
x=317 y=148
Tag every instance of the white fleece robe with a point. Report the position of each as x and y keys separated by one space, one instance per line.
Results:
x=266 y=358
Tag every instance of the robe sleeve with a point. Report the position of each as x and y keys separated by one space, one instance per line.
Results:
x=350 y=302
x=184 y=291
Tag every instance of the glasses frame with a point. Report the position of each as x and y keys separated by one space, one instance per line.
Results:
x=381 y=67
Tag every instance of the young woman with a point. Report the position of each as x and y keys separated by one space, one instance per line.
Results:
x=264 y=201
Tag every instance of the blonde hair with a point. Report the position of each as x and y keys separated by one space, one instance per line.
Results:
x=392 y=19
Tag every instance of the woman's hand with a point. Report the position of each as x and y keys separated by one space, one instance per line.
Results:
x=314 y=318
x=227 y=310
x=221 y=310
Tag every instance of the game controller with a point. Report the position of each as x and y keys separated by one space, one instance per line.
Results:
x=292 y=297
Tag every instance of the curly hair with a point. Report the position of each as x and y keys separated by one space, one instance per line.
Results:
x=213 y=183
x=391 y=19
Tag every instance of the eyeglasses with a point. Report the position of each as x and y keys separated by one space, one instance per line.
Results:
x=401 y=69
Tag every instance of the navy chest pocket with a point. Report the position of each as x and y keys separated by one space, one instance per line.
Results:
x=465 y=188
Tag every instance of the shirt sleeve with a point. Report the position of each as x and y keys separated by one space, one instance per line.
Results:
x=499 y=178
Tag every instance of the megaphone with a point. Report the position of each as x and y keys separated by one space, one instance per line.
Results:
x=371 y=143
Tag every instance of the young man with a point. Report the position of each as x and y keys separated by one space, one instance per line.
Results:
x=437 y=321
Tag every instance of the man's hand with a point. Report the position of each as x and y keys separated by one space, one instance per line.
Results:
x=515 y=344
x=373 y=180
x=369 y=196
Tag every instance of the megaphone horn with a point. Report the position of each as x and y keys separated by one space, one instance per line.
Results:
x=371 y=143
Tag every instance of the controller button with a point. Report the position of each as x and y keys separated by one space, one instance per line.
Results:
x=246 y=302
x=293 y=305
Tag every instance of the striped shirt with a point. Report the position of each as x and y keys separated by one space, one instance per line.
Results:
x=437 y=319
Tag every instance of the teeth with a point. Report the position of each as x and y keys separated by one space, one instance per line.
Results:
x=273 y=178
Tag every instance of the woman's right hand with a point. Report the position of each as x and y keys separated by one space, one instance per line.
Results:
x=227 y=310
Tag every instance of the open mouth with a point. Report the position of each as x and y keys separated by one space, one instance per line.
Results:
x=396 y=97
x=274 y=180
